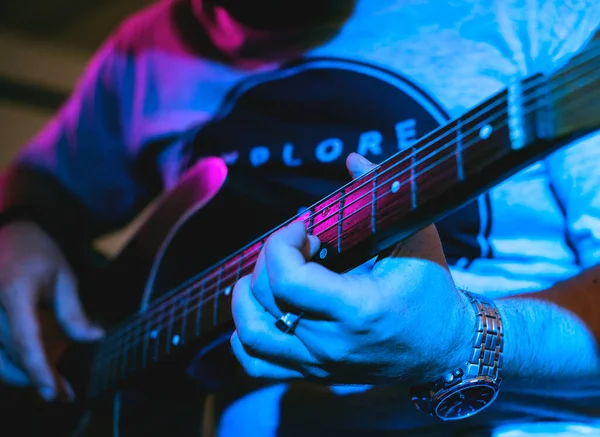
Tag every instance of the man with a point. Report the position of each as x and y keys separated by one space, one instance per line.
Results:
x=285 y=96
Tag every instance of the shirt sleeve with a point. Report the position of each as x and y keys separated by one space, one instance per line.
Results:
x=574 y=170
x=575 y=177
x=77 y=176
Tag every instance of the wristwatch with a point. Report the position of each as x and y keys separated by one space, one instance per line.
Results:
x=474 y=386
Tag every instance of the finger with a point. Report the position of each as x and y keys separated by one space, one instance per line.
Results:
x=12 y=375
x=257 y=331
x=303 y=285
x=311 y=247
x=260 y=279
x=358 y=165
x=10 y=372
x=66 y=392
x=259 y=368
x=69 y=310
x=259 y=285
x=26 y=339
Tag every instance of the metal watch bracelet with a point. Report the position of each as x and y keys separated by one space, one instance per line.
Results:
x=487 y=355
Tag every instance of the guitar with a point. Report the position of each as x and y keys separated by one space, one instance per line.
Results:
x=172 y=313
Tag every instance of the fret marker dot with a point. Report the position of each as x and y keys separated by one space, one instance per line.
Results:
x=323 y=253
x=154 y=334
x=227 y=291
x=176 y=339
x=395 y=187
x=485 y=132
x=302 y=209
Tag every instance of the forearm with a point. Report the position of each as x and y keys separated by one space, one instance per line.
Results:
x=552 y=336
x=27 y=194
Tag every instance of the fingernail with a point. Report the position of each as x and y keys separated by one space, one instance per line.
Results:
x=94 y=332
x=47 y=393
x=363 y=160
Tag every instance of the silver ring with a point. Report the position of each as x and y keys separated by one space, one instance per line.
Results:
x=288 y=322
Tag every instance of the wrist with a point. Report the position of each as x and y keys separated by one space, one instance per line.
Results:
x=452 y=346
x=472 y=380
x=465 y=333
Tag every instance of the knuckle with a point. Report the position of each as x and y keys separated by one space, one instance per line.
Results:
x=248 y=337
x=253 y=281
x=270 y=245
x=253 y=367
x=273 y=240
x=21 y=345
x=243 y=282
x=333 y=354
x=284 y=285
x=365 y=318
x=30 y=358
x=239 y=288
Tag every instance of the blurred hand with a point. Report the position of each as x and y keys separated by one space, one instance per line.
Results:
x=39 y=310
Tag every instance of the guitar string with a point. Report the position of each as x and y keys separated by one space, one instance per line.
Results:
x=527 y=87
x=228 y=277
x=413 y=153
x=215 y=295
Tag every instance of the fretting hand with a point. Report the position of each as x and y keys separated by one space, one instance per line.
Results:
x=400 y=319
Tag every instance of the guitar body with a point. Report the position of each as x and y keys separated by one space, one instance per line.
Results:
x=186 y=232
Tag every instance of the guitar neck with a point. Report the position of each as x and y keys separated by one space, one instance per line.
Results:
x=410 y=190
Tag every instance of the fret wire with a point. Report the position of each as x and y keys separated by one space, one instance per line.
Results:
x=130 y=366
x=139 y=336
x=145 y=345
x=459 y=151
x=374 y=203
x=340 y=221
x=155 y=336
x=239 y=268
x=183 y=333
x=217 y=290
x=413 y=176
x=199 y=312
x=170 y=321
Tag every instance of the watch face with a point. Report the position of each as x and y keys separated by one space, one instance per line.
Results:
x=466 y=401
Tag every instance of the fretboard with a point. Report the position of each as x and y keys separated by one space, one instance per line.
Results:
x=404 y=193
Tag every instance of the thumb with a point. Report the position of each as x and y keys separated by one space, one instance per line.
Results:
x=358 y=165
x=69 y=310
x=424 y=244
